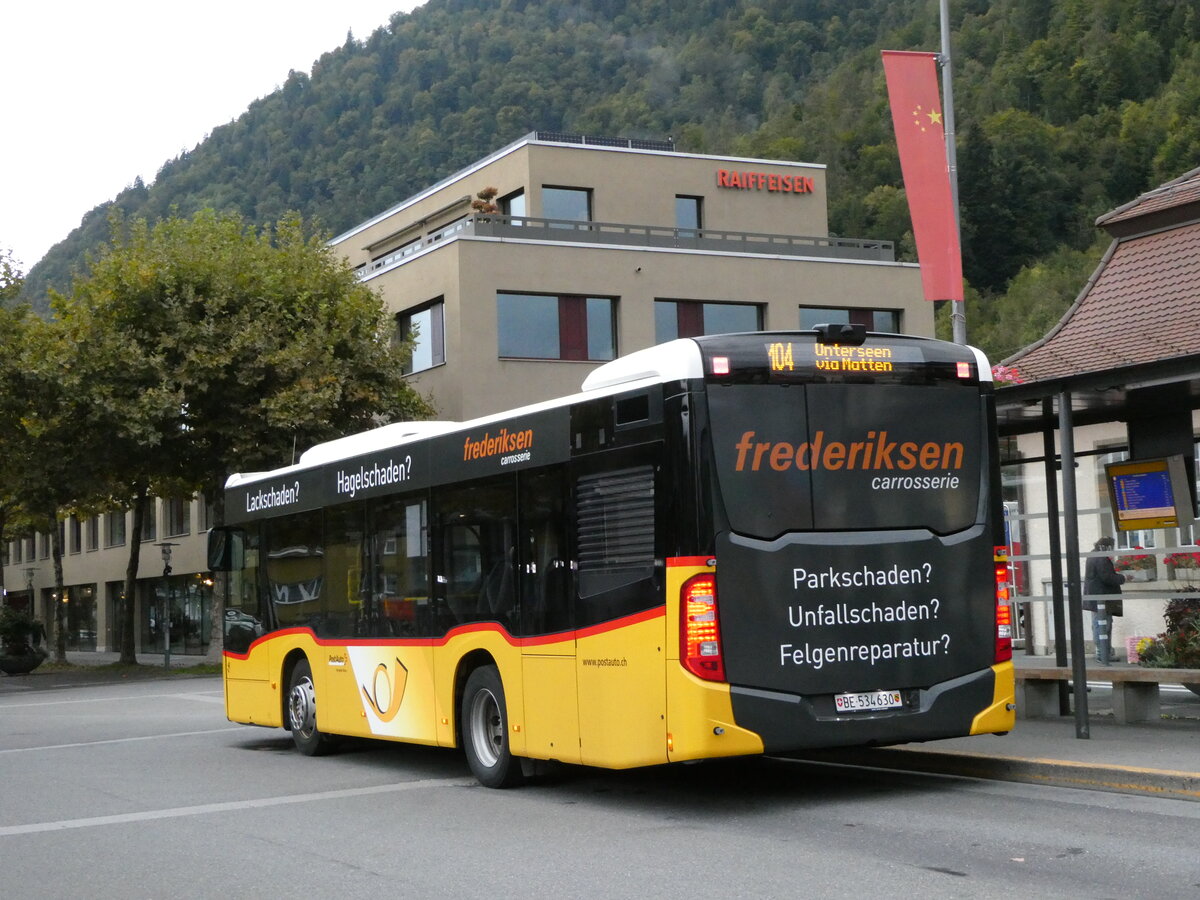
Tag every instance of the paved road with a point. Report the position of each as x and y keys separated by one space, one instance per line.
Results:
x=144 y=790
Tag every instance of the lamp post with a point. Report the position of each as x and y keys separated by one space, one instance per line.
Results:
x=166 y=619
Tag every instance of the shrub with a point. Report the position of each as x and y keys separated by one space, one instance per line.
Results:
x=1179 y=646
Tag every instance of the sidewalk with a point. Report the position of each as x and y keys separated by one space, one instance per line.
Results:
x=87 y=667
x=1158 y=758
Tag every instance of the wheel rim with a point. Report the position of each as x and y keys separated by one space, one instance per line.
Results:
x=302 y=708
x=487 y=728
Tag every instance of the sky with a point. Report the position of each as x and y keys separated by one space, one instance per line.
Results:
x=96 y=94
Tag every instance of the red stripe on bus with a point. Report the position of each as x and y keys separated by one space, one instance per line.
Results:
x=472 y=628
x=688 y=561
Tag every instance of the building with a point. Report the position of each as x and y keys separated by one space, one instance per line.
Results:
x=594 y=248
x=601 y=247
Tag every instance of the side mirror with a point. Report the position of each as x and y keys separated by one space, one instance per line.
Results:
x=225 y=549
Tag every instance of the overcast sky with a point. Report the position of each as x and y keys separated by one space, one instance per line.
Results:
x=95 y=94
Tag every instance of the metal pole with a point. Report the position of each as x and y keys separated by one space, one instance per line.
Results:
x=958 y=310
x=1066 y=439
x=1056 y=569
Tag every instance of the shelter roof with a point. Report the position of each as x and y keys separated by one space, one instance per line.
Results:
x=1137 y=320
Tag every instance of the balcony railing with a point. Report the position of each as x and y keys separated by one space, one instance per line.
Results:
x=528 y=228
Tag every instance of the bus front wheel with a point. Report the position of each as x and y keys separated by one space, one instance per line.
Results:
x=485 y=730
x=302 y=712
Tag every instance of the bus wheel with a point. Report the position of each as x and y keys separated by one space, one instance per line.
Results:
x=485 y=730
x=302 y=712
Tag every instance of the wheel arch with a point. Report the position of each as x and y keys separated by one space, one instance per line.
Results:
x=476 y=659
x=285 y=679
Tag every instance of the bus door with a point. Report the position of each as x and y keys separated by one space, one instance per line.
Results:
x=620 y=625
x=547 y=617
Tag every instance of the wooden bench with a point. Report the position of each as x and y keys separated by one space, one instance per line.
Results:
x=1134 y=697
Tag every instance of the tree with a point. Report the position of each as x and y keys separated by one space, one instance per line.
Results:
x=215 y=347
x=12 y=330
x=49 y=470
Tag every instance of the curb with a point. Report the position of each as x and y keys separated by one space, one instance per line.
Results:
x=1056 y=772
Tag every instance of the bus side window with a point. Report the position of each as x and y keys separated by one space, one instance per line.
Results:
x=295 y=571
x=344 y=586
x=399 y=603
x=544 y=565
x=478 y=559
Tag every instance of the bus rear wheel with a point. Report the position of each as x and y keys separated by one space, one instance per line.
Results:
x=485 y=730
x=302 y=713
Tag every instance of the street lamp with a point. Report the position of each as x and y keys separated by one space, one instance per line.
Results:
x=166 y=546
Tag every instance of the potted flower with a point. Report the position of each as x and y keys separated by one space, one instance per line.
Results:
x=1137 y=566
x=1185 y=563
x=19 y=654
x=1178 y=646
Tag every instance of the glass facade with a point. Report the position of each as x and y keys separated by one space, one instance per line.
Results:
x=570 y=203
x=881 y=320
x=688 y=318
x=188 y=601
x=426 y=329
x=1158 y=564
x=541 y=326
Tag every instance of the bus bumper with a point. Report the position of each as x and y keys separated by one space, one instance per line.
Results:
x=971 y=704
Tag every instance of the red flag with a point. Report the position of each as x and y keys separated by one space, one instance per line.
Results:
x=921 y=139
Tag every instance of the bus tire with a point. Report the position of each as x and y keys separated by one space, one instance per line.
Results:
x=485 y=730
x=302 y=713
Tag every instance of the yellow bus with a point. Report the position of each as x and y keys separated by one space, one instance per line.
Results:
x=723 y=545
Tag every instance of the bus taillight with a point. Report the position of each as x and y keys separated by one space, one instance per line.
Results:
x=1003 y=606
x=699 y=630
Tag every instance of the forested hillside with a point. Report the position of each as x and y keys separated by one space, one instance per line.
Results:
x=1065 y=108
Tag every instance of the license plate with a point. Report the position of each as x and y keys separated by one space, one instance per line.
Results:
x=867 y=701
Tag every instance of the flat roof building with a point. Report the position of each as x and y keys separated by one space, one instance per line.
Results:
x=598 y=247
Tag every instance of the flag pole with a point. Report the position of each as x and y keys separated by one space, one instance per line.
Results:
x=958 y=308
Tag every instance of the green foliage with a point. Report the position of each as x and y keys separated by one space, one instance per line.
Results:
x=1065 y=108
x=214 y=346
x=11 y=278
x=17 y=629
x=1179 y=646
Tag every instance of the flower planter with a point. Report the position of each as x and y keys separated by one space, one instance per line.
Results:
x=20 y=665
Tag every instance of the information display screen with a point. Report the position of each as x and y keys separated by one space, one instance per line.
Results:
x=1149 y=493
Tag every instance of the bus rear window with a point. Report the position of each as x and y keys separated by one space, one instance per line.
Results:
x=833 y=457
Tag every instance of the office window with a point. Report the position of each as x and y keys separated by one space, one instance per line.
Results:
x=14 y=554
x=150 y=521
x=567 y=203
x=93 y=533
x=178 y=517
x=207 y=513
x=75 y=536
x=426 y=329
x=884 y=320
x=539 y=326
x=688 y=214
x=513 y=204
x=689 y=318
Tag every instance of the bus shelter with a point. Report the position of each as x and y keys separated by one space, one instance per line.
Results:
x=1117 y=378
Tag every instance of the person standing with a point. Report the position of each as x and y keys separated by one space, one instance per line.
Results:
x=1102 y=577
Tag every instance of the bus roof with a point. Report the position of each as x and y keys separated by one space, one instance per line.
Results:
x=675 y=360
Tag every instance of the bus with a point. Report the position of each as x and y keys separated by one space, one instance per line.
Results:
x=738 y=544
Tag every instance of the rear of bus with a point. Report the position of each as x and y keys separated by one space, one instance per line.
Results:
x=860 y=577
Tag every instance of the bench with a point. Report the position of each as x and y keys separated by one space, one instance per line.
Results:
x=1134 y=697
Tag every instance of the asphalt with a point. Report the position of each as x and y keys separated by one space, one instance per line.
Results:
x=1159 y=758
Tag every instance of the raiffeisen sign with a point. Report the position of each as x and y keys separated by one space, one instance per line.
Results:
x=764 y=181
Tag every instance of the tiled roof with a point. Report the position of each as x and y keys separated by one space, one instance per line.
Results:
x=1142 y=304
x=1183 y=190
